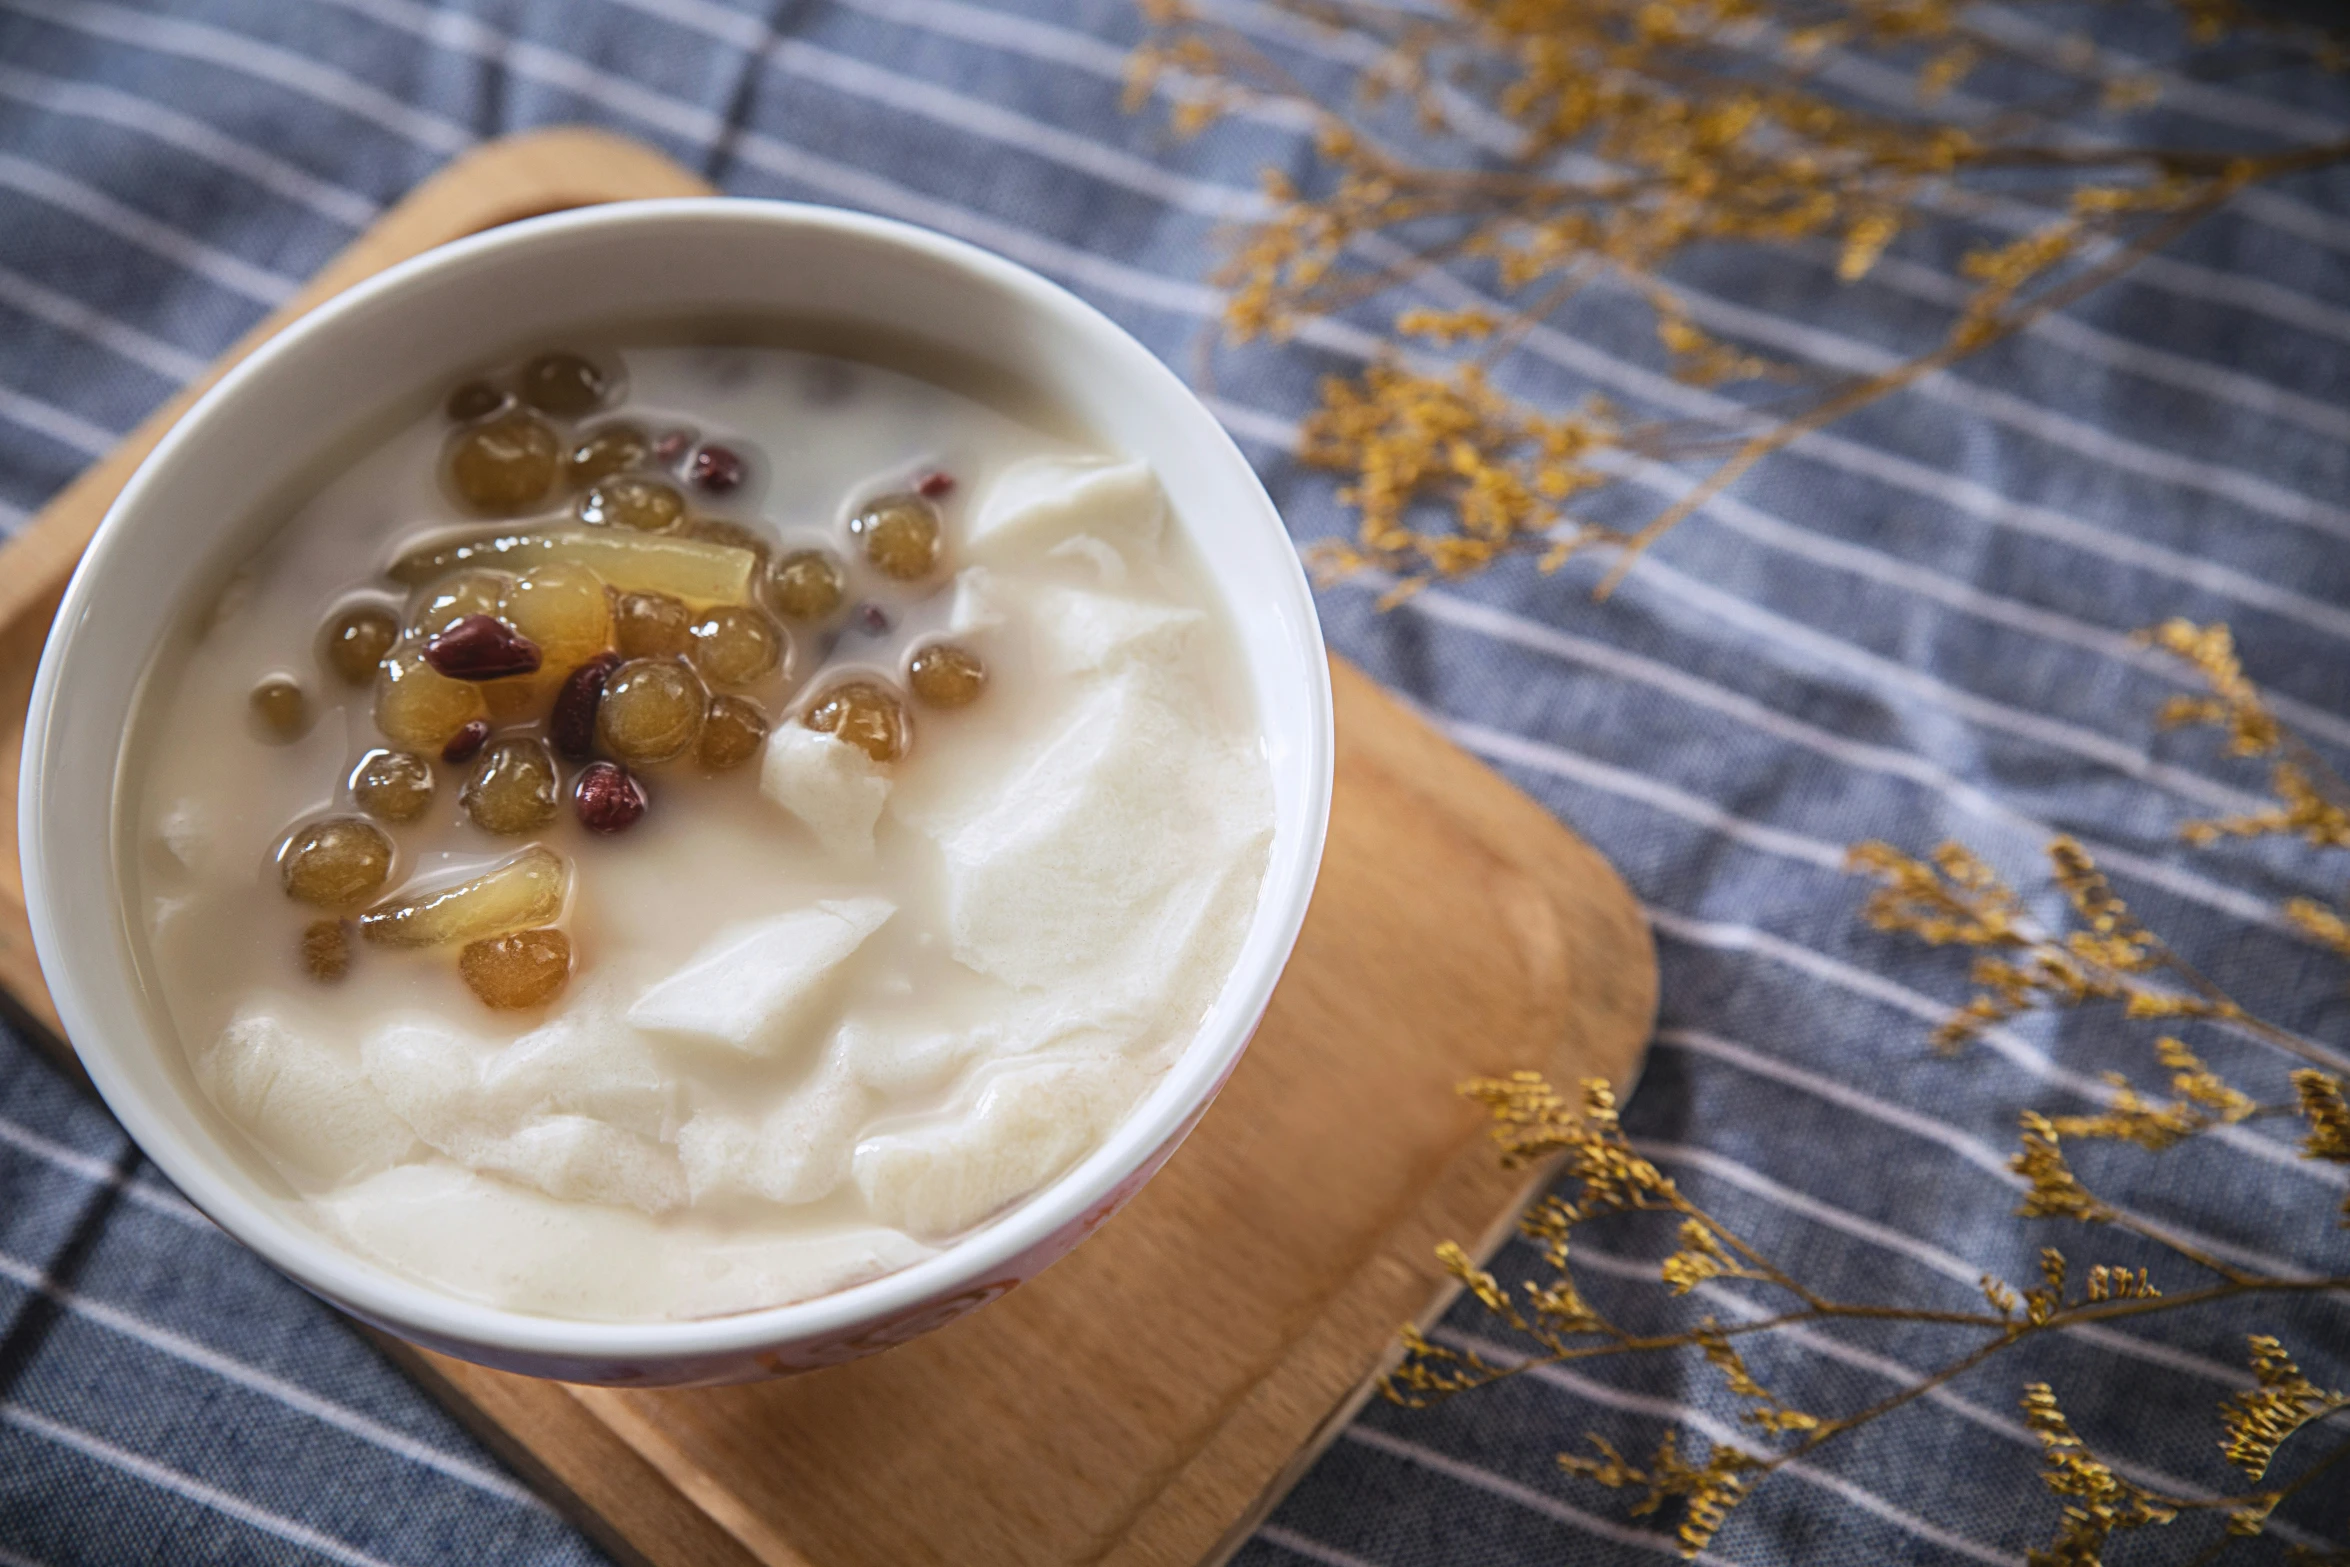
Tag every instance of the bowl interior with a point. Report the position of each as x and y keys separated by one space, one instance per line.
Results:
x=222 y=479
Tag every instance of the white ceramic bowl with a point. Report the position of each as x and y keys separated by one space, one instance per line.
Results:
x=208 y=494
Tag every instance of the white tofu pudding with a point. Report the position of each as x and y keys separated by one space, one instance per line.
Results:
x=681 y=829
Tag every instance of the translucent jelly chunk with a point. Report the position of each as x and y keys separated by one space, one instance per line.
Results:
x=868 y=716
x=419 y=708
x=606 y=450
x=806 y=585
x=473 y=548
x=517 y=700
x=505 y=465
x=717 y=530
x=632 y=501
x=697 y=572
x=392 y=786
x=900 y=535
x=564 y=609
x=462 y=593
x=652 y=625
x=652 y=711
x=519 y=894
x=520 y=969
x=335 y=863
x=683 y=568
x=735 y=644
x=355 y=641
x=512 y=787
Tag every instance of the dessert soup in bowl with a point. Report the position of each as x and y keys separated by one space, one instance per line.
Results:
x=695 y=788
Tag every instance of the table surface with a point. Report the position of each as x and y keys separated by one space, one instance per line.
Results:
x=1914 y=629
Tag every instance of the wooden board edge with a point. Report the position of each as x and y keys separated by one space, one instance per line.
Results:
x=604 y=1488
x=1515 y=828
x=655 y=1447
x=1342 y=1414
x=1574 y=876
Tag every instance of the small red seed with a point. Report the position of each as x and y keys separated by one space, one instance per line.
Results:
x=717 y=469
x=607 y=797
x=873 y=619
x=670 y=448
x=571 y=725
x=467 y=742
x=481 y=647
x=934 y=484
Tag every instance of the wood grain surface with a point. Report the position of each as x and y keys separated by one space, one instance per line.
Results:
x=1147 y=1399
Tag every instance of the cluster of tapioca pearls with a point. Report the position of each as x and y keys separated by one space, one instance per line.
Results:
x=514 y=449
x=639 y=676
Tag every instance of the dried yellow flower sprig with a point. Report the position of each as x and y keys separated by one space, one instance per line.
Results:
x=1506 y=471
x=1954 y=897
x=1568 y=145
x=1604 y=1177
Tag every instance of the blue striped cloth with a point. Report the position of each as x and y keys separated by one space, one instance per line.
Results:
x=1913 y=626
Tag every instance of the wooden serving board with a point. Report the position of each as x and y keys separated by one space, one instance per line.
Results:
x=1149 y=1398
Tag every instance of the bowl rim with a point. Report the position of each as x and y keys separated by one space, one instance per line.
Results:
x=325 y=1266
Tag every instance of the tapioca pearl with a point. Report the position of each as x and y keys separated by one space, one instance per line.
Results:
x=944 y=674
x=335 y=863
x=355 y=641
x=806 y=585
x=735 y=644
x=652 y=711
x=392 y=786
x=606 y=450
x=507 y=464
x=512 y=788
x=900 y=535
x=564 y=384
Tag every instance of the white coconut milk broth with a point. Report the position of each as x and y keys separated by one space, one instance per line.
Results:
x=218 y=798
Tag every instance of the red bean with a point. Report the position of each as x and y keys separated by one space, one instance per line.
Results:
x=607 y=798
x=481 y=647
x=572 y=722
x=466 y=743
x=717 y=469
